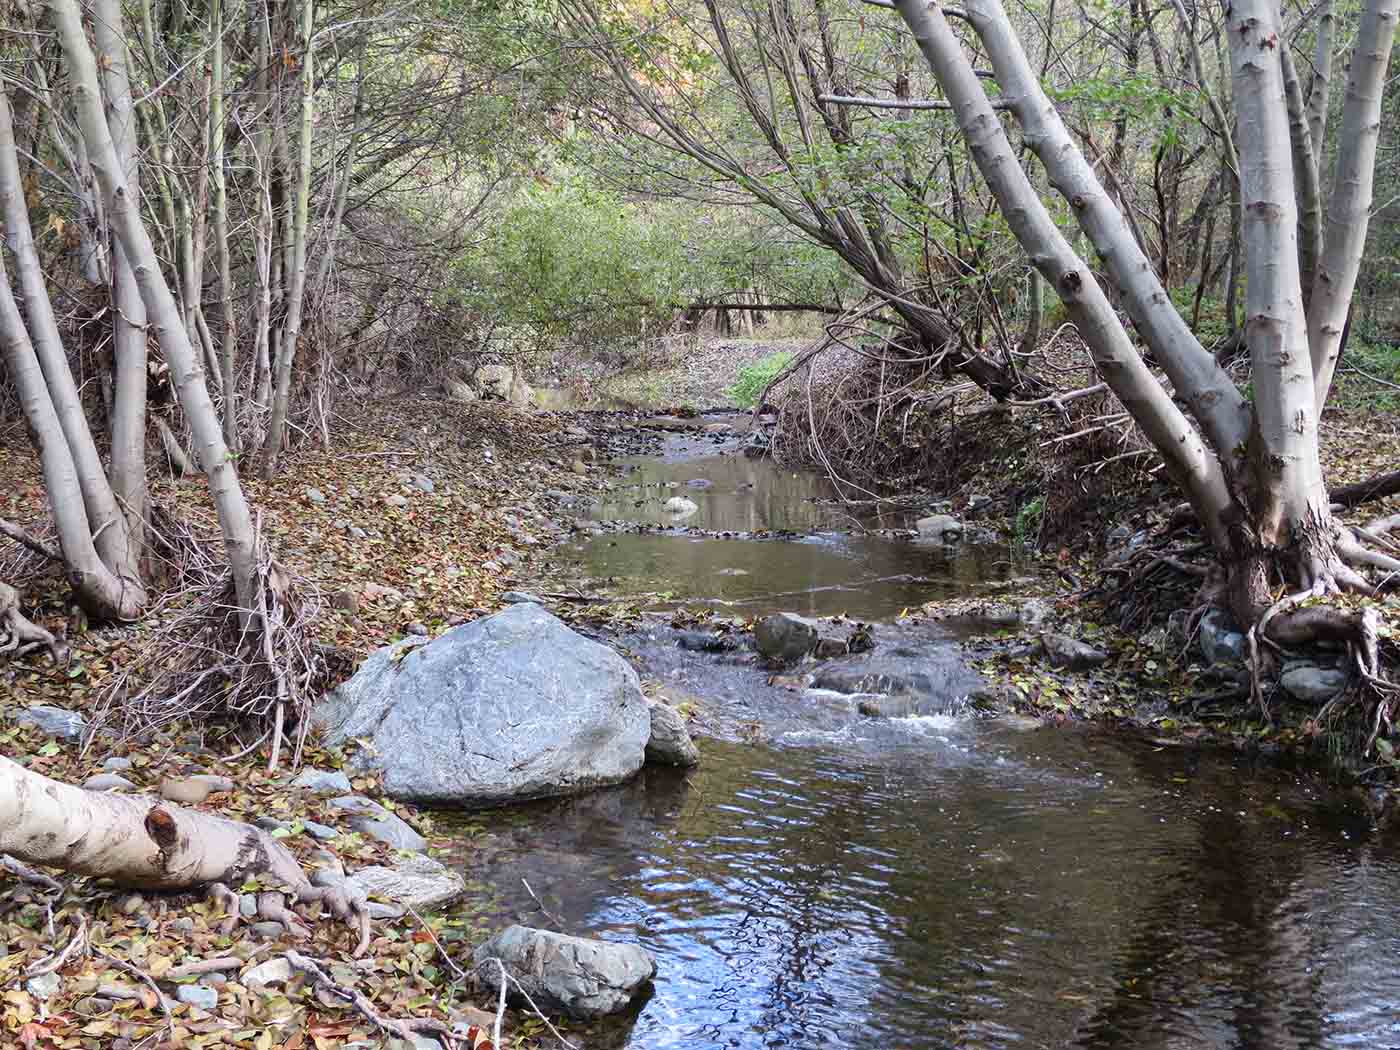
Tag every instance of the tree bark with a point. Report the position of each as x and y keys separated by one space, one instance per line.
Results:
x=1349 y=211
x=234 y=518
x=1320 y=88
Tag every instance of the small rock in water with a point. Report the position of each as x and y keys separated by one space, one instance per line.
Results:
x=320 y=832
x=942 y=527
x=574 y=976
x=680 y=506
x=670 y=743
x=785 y=636
x=700 y=483
x=1070 y=653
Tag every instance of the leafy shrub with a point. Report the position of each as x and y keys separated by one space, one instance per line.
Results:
x=755 y=377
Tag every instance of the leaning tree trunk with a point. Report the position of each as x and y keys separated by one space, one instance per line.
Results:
x=165 y=319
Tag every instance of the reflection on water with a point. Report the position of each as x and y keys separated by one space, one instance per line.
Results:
x=979 y=885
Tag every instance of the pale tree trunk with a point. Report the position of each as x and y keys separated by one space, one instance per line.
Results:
x=146 y=843
x=128 y=421
x=1320 y=87
x=228 y=344
x=296 y=294
x=1304 y=177
x=234 y=518
x=1349 y=210
x=93 y=532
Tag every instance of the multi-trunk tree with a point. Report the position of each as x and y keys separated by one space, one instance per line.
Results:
x=1247 y=460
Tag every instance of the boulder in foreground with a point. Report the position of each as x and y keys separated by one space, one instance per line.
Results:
x=511 y=707
x=573 y=976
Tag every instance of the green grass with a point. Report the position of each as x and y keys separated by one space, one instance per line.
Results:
x=754 y=378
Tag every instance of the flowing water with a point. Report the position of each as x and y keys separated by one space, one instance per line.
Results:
x=945 y=879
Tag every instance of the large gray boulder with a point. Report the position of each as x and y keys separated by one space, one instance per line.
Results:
x=941 y=527
x=568 y=975
x=510 y=707
x=1311 y=684
x=495 y=381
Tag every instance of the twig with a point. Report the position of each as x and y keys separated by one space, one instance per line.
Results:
x=506 y=976
x=402 y=1029
x=543 y=909
x=147 y=980
x=203 y=966
x=25 y=539
x=54 y=962
x=25 y=873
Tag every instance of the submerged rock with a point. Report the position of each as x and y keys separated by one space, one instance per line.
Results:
x=679 y=506
x=510 y=707
x=370 y=818
x=670 y=743
x=418 y=882
x=786 y=637
x=1221 y=642
x=573 y=976
x=942 y=527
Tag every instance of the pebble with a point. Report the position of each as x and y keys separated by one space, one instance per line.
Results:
x=315 y=495
x=396 y=500
x=423 y=483
x=107 y=782
x=419 y=629
x=322 y=832
x=267 y=929
x=357 y=532
x=116 y=764
x=273 y=971
x=198 y=995
x=214 y=980
x=131 y=904
x=183 y=925
x=271 y=824
x=45 y=986
x=248 y=905
x=323 y=782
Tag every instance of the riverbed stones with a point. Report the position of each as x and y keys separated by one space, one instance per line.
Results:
x=670 y=743
x=107 y=782
x=509 y=707
x=370 y=818
x=419 y=882
x=944 y=528
x=574 y=976
x=1221 y=642
x=786 y=637
x=1311 y=684
x=54 y=721
x=1071 y=654
x=198 y=995
x=680 y=506
x=323 y=782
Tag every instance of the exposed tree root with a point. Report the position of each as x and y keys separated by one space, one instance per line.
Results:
x=20 y=635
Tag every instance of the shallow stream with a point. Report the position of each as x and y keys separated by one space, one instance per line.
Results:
x=945 y=879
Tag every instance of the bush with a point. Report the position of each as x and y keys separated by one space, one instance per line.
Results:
x=755 y=377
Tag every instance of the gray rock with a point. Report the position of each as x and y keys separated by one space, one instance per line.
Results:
x=785 y=636
x=509 y=707
x=578 y=466
x=323 y=782
x=54 y=721
x=1034 y=613
x=495 y=381
x=214 y=980
x=320 y=832
x=115 y=764
x=315 y=495
x=700 y=483
x=680 y=506
x=1071 y=654
x=198 y=995
x=396 y=499
x=216 y=782
x=416 y=882
x=248 y=905
x=669 y=743
x=941 y=527
x=423 y=483
x=357 y=532
x=107 y=782
x=456 y=390
x=372 y=819
x=1311 y=684
x=518 y=597
x=267 y=930
x=569 y=975
x=271 y=824
x=183 y=925
x=44 y=986
x=1221 y=643
x=273 y=971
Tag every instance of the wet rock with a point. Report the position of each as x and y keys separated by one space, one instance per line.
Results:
x=1070 y=654
x=569 y=975
x=107 y=782
x=315 y=496
x=700 y=483
x=115 y=764
x=705 y=642
x=902 y=706
x=670 y=743
x=200 y=996
x=786 y=637
x=44 y=986
x=854 y=680
x=519 y=597
x=509 y=707
x=680 y=506
x=323 y=782
x=273 y=971
x=54 y=721
x=829 y=647
x=1311 y=684
x=370 y=818
x=1220 y=642
x=941 y=527
x=416 y=882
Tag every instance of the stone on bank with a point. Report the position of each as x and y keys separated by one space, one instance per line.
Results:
x=510 y=707
x=573 y=976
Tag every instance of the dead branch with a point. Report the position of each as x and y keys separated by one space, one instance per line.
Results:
x=12 y=531
x=1365 y=491
x=404 y=1030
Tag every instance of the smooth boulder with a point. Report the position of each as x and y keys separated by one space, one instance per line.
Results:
x=419 y=882
x=510 y=707
x=573 y=976
x=1071 y=654
x=1311 y=684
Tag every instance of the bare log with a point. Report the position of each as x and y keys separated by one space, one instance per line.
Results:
x=1365 y=491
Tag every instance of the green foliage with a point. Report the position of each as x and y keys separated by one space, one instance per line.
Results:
x=754 y=378
x=1028 y=520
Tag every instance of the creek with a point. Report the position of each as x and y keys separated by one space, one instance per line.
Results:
x=942 y=879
